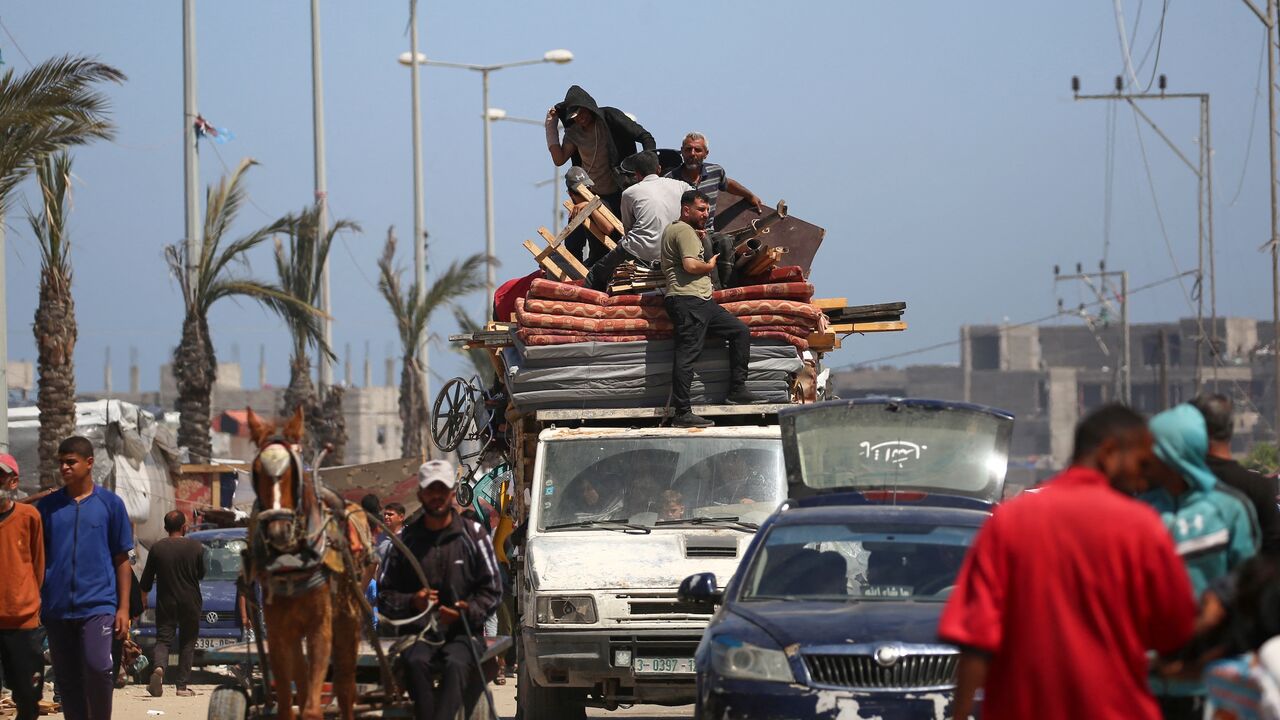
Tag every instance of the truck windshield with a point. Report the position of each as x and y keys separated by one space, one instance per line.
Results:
x=841 y=563
x=651 y=480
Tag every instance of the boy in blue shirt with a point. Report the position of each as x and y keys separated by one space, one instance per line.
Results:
x=85 y=598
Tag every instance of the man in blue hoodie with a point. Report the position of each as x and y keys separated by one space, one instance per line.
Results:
x=1214 y=528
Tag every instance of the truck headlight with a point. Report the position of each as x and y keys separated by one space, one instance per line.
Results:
x=738 y=660
x=577 y=609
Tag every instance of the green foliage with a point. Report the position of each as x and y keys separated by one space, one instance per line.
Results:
x=49 y=108
x=1263 y=457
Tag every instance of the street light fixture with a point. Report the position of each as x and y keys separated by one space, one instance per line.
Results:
x=559 y=57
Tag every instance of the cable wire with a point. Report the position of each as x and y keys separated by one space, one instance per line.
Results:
x=1253 y=117
x=15 y=44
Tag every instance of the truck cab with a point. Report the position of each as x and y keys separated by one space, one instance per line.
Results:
x=618 y=516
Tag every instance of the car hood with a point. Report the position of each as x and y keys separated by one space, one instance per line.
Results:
x=813 y=623
x=602 y=560
x=218 y=595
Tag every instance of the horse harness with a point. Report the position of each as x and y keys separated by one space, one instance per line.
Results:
x=307 y=559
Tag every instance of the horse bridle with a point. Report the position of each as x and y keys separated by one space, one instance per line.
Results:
x=276 y=457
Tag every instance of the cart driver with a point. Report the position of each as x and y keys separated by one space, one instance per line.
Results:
x=457 y=557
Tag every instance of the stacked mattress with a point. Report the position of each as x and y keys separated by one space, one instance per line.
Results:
x=557 y=313
x=637 y=373
x=577 y=347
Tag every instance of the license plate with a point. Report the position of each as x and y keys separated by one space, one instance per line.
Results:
x=664 y=666
x=210 y=643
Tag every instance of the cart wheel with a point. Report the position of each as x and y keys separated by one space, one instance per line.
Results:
x=228 y=702
x=466 y=494
x=452 y=414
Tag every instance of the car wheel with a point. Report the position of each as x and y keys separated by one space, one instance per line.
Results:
x=228 y=702
x=538 y=703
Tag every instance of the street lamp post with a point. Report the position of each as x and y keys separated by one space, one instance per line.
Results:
x=500 y=114
x=414 y=58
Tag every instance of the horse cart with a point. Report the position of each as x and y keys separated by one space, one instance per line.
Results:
x=309 y=558
x=249 y=697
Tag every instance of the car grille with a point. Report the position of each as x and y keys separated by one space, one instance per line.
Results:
x=862 y=671
x=222 y=616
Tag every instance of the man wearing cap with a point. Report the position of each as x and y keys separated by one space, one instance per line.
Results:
x=648 y=207
x=708 y=177
x=22 y=558
x=457 y=557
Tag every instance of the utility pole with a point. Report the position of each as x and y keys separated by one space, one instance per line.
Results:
x=1164 y=369
x=1124 y=371
x=1269 y=20
x=1203 y=170
x=322 y=194
x=190 y=161
x=419 y=236
x=4 y=345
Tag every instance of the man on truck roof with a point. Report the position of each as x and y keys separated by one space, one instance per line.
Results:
x=695 y=314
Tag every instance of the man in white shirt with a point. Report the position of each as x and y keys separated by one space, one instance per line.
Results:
x=648 y=207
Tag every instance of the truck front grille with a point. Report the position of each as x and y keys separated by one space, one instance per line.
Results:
x=910 y=672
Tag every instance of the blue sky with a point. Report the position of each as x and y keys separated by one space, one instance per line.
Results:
x=938 y=144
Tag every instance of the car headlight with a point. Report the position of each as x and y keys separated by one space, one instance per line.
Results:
x=577 y=609
x=738 y=660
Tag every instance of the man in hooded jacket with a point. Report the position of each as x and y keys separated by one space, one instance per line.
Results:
x=596 y=139
x=1213 y=526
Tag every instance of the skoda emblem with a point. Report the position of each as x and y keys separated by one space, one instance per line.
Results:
x=212 y=618
x=887 y=655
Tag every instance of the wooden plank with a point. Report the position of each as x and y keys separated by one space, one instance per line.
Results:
x=596 y=227
x=584 y=193
x=593 y=205
x=549 y=265
x=830 y=303
x=554 y=247
x=869 y=327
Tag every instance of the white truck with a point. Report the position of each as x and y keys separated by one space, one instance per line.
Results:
x=619 y=512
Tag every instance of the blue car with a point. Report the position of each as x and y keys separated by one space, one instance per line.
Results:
x=833 y=611
x=219 y=617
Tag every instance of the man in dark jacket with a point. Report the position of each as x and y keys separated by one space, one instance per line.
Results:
x=175 y=566
x=1260 y=490
x=458 y=558
x=596 y=139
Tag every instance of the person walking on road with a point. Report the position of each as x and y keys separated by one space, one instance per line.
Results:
x=85 y=597
x=1213 y=527
x=22 y=558
x=175 y=566
x=1064 y=590
x=462 y=570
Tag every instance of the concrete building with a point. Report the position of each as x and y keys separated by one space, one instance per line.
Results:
x=372 y=411
x=1050 y=375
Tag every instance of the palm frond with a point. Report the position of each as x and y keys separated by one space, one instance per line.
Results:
x=51 y=107
x=53 y=174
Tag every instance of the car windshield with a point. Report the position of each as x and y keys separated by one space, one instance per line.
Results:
x=222 y=558
x=661 y=481
x=954 y=450
x=857 y=562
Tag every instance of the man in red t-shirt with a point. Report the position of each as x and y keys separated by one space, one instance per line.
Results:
x=22 y=562
x=1065 y=589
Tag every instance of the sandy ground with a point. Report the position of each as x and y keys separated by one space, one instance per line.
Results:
x=134 y=702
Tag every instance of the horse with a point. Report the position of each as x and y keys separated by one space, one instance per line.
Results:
x=309 y=550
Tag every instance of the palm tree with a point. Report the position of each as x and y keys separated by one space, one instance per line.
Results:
x=299 y=264
x=412 y=316
x=55 y=319
x=51 y=107
x=195 y=367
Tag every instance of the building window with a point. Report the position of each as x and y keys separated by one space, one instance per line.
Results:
x=984 y=352
x=1151 y=351
x=382 y=434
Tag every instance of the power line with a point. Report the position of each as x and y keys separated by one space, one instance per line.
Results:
x=1046 y=318
x=1159 y=43
x=15 y=44
x=1253 y=117
x=1155 y=201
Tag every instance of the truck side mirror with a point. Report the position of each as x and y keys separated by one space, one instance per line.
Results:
x=700 y=588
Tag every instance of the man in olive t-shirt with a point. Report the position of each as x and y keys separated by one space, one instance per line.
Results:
x=695 y=315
